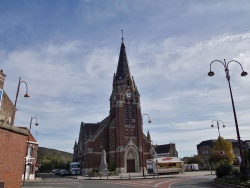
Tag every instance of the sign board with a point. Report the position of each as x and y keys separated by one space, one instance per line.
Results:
x=1 y=97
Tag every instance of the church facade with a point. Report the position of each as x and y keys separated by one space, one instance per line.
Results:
x=120 y=134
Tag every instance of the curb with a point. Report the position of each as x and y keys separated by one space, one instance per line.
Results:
x=225 y=185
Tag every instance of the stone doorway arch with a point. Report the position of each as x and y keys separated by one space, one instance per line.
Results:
x=131 y=160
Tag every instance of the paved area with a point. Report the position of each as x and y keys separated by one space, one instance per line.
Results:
x=134 y=176
x=140 y=176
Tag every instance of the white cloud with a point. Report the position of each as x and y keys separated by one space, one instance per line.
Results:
x=69 y=71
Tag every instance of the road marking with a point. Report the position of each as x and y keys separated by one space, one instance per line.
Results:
x=137 y=183
x=176 y=182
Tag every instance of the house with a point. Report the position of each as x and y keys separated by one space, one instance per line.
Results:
x=13 y=143
x=205 y=148
x=165 y=150
x=31 y=156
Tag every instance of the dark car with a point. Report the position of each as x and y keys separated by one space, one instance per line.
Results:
x=57 y=171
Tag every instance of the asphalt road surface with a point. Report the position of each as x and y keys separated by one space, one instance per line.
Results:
x=173 y=181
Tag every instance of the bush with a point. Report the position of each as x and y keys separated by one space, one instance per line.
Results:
x=112 y=173
x=224 y=169
x=112 y=167
x=236 y=173
x=244 y=177
x=94 y=173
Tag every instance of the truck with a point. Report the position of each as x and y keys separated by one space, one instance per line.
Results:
x=75 y=168
x=164 y=165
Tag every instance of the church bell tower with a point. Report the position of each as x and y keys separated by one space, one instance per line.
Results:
x=125 y=130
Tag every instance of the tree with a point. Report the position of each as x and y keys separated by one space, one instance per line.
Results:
x=196 y=159
x=224 y=169
x=222 y=145
x=246 y=156
x=216 y=157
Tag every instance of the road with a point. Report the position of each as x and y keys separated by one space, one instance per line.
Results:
x=187 y=180
x=194 y=182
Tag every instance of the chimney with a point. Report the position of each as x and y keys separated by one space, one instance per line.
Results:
x=2 y=79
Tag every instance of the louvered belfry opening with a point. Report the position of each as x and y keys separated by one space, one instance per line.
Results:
x=129 y=112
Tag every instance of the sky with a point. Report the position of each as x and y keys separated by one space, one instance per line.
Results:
x=67 y=52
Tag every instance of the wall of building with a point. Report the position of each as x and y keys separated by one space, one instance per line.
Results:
x=12 y=152
x=31 y=156
x=7 y=108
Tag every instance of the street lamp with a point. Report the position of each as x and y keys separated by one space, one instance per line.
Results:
x=149 y=121
x=218 y=127
x=211 y=73
x=18 y=87
x=17 y=93
x=27 y=149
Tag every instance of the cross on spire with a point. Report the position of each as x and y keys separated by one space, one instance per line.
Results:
x=122 y=35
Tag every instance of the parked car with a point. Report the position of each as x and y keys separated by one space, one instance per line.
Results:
x=64 y=172
x=54 y=170
x=57 y=172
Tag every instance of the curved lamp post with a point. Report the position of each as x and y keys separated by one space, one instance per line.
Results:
x=149 y=121
x=17 y=93
x=27 y=149
x=18 y=88
x=218 y=127
x=211 y=73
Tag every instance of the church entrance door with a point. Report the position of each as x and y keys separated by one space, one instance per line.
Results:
x=130 y=165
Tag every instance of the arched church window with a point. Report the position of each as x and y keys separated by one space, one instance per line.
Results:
x=130 y=154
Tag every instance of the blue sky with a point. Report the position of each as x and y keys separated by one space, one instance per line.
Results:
x=67 y=52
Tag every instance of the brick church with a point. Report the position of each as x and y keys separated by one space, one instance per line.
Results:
x=119 y=134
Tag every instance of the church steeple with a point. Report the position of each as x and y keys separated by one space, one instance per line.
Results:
x=122 y=67
x=149 y=137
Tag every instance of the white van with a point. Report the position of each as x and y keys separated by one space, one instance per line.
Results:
x=192 y=167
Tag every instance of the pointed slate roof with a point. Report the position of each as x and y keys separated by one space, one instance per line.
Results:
x=122 y=67
x=89 y=128
x=162 y=148
x=148 y=136
x=76 y=145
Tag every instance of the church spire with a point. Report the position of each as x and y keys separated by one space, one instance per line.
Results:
x=76 y=145
x=122 y=68
x=122 y=35
x=148 y=137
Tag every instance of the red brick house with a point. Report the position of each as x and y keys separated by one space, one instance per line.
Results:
x=12 y=155
x=119 y=134
x=13 y=143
